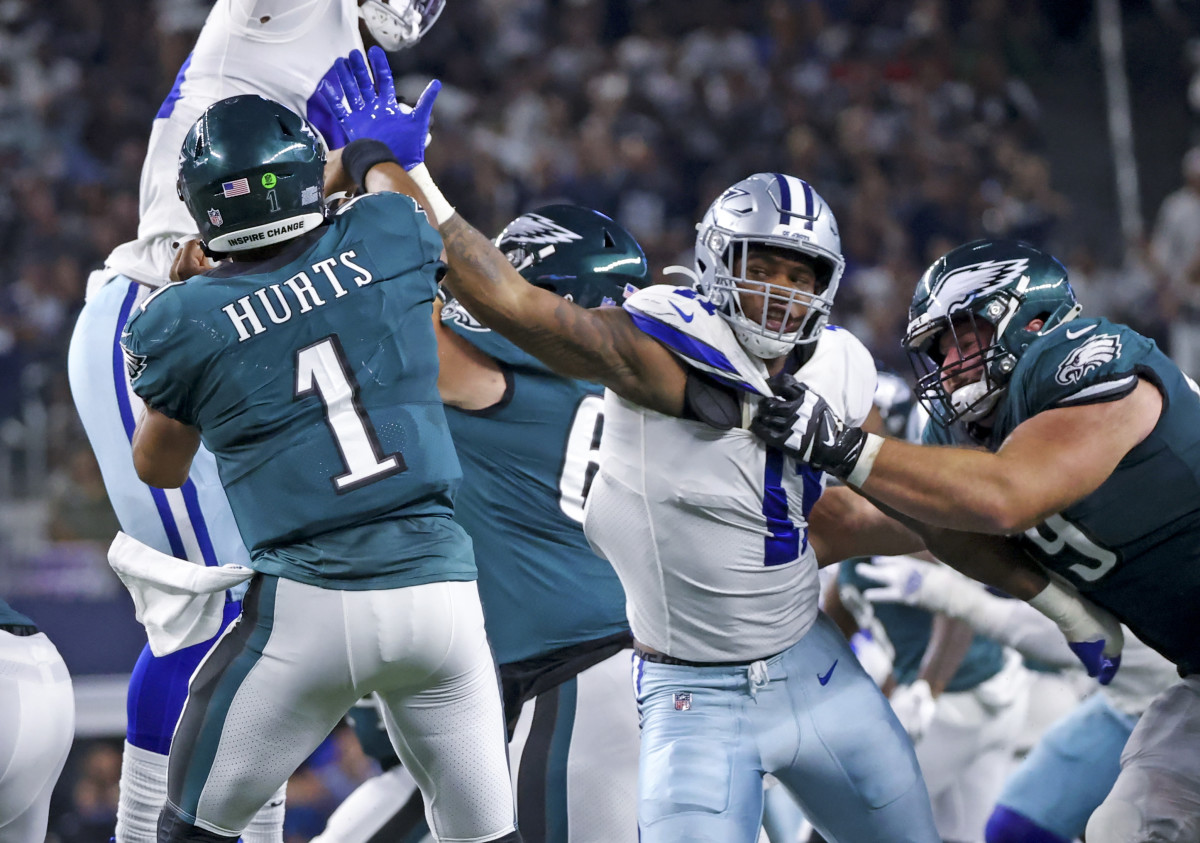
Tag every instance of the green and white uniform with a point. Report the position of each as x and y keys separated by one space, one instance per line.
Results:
x=312 y=378
x=1131 y=546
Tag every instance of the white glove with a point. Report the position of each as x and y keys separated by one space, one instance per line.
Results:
x=872 y=655
x=926 y=585
x=915 y=708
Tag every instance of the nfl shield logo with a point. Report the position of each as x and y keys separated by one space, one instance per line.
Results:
x=214 y=216
x=683 y=700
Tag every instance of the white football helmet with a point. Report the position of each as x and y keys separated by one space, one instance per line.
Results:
x=783 y=212
x=397 y=24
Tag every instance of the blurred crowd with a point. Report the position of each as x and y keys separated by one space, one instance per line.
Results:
x=918 y=120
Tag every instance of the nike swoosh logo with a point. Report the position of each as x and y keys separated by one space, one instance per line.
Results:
x=824 y=680
x=687 y=317
x=1076 y=334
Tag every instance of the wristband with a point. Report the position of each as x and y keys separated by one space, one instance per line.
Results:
x=438 y=206
x=865 y=461
x=361 y=155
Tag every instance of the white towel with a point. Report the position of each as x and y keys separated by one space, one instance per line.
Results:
x=179 y=603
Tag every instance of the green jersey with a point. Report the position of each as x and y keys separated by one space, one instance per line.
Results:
x=909 y=630
x=312 y=378
x=527 y=464
x=1133 y=545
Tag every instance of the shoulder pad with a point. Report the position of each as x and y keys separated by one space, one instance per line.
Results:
x=690 y=326
x=842 y=372
x=1081 y=361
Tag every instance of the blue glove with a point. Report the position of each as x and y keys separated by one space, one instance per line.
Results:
x=1091 y=654
x=367 y=108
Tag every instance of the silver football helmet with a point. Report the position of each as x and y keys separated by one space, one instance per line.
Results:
x=397 y=24
x=781 y=212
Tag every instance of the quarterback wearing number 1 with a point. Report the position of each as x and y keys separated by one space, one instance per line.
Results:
x=306 y=363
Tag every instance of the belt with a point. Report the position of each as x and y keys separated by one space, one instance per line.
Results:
x=19 y=628
x=661 y=658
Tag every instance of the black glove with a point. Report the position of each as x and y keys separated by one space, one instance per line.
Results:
x=800 y=423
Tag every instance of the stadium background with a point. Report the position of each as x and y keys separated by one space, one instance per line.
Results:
x=923 y=123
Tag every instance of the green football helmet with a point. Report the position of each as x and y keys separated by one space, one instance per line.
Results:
x=1007 y=285
x=251 y=173
x=576 y=252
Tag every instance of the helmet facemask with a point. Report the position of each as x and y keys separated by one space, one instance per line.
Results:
x=784 y=216
x=1003 y=289
x=398 y=24
x=786 y=316
x=980 y=354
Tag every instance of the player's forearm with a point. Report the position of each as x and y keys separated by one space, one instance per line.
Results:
x=992 y=560
x=949 y=641
x=163 y=450
x=954 y=488
x=844 y=524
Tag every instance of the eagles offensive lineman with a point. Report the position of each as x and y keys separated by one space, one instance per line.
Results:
x=279 y=48
x=733 y=663
x=306 y=363
x=554 y=611
x=1092 y=459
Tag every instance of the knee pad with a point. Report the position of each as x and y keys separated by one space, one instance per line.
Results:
x=173 y=828
x=1007 y=826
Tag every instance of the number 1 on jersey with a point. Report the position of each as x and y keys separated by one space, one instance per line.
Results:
x=321 y=367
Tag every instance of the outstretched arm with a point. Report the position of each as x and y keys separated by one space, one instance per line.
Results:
x=1048 y=462
x=600 y=344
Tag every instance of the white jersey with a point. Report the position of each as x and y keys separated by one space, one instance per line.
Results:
x=279 y=49
x=707 y=529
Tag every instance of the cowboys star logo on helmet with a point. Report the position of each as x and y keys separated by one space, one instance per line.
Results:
x=1092 y=354
x=959 y=288
x=537 y=230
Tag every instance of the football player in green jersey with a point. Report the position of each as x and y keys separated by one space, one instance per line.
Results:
x=528 y=441
x=306 y=364
x=1079 y=439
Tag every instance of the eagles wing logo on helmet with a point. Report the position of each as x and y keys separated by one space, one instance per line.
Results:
x=453 y=311
x=959 y=288
x=536 y=230
x=1092 y=354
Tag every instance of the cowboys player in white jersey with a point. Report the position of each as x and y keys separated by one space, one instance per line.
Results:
x=281 y=49
x=736 y=672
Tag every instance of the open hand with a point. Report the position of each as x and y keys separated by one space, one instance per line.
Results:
x=367 y=108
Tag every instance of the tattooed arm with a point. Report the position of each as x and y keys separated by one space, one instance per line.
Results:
x=599 y=344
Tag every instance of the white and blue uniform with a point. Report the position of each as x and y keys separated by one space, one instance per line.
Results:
x=37 y=725
x=707 y=531
x=280 y=49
